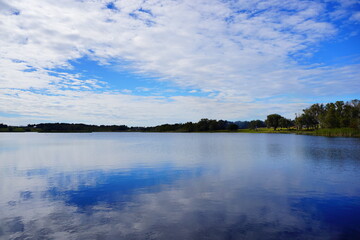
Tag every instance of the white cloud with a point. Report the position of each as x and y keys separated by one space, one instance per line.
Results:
x=239 y=51
x=356 y=16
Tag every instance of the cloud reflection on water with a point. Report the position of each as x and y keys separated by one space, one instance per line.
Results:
x=291 y=187
x=113 y=187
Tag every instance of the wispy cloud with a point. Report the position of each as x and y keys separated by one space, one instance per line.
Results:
x=237 y=51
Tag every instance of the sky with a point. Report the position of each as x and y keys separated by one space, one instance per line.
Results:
x=149 y=62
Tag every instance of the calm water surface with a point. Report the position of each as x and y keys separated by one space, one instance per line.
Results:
x=178 y=186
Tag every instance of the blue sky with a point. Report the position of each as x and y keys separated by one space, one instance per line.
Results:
x=152 y=62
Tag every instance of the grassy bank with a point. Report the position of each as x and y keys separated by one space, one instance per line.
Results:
x=329 y=132
x=14 y=129
x=267 y=130
x=337 y=132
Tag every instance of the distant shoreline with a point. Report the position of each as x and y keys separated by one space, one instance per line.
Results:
x=339 y=119
x=337 y=132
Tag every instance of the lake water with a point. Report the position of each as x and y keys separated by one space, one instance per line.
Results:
x=178 y=186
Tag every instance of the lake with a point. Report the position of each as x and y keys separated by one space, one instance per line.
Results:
x=178 y=186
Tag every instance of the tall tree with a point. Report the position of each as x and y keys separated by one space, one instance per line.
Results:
x=272 y=120
x=331 y=116
x=284 y=123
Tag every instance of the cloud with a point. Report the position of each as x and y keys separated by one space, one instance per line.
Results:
x=238 y=50
x=356 y=16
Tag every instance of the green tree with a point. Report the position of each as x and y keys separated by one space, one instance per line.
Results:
x=314 y=115
x=284 y=123
x=272 y=120
x=203 y=125
x=299 y=122
x=255 y=124
x=331 y=117
x=232 y=127
x=355 y=113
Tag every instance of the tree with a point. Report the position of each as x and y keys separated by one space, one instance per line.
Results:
x=213 y=125
x=299 y=122
x=355 y=113
x=203 y=125
x=254 y=124
x=284 y=123
x=313 y=115
x=309 y=120
x=272 y=120
x=331 y=116
x=232 y=127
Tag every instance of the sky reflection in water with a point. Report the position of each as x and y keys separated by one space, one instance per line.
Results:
x=178 y=186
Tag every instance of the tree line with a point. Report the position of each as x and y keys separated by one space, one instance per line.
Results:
x=64 y=127
x=331 y=115
x=204 y=125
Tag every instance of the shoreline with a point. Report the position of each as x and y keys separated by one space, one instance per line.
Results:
x=337 y=132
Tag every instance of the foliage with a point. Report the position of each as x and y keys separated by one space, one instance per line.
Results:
x=204 y=125
x=331 y=115
x=285 y=123
x=232 y=127
x=76 y=127
x=255 y=124
x=242 y=124
x=273 y=120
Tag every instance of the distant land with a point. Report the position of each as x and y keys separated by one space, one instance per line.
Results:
x=331 y=119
